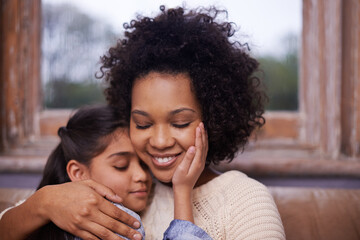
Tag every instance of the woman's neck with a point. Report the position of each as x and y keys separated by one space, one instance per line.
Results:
x=207 y=175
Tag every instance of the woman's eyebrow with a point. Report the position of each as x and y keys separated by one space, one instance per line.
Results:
x=140 y=113
x=176 y=111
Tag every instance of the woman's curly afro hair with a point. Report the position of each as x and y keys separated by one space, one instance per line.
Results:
x=196 y=43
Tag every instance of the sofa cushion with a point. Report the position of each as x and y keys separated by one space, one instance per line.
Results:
x=307 y=213
x=314 y=213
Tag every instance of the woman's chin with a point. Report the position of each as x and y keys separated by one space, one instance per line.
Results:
x=165 y=180
x=162 y=175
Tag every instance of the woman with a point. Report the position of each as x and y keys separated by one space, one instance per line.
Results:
x=169 y=74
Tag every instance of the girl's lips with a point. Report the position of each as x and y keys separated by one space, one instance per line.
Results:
x=140 y=193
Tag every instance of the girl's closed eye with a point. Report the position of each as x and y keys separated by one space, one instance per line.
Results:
x=122 y=164
x=121 y=168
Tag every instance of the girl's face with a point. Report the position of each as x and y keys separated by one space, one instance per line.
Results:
x=164 y=117
x=119 y=168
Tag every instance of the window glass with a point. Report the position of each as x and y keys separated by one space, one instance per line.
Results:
x=77 y=33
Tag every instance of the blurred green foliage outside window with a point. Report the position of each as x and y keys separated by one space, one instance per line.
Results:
x=74 y=41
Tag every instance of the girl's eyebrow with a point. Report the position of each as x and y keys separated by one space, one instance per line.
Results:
x=121 y=154
x=176 y=111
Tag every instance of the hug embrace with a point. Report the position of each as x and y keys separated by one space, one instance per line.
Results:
x=182 y=97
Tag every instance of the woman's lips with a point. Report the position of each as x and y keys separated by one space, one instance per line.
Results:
x=164 y=161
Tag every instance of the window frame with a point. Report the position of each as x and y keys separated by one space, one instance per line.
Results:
x=322 y=138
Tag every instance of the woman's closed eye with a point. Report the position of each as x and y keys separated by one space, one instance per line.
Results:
x=183 y=125
x=145 y=126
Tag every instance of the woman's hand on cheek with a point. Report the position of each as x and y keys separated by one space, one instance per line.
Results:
x=81 y=209
x=190 y=169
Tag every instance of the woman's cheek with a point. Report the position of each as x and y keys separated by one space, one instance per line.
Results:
x=188 y=137
x=135 y=138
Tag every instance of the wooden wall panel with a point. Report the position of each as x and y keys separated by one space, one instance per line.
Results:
x=350 y=105
x=20 y=71
x=320 y=77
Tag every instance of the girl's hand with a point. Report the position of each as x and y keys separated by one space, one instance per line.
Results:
x=190 y=169
x=187 y=174
x=81 y=209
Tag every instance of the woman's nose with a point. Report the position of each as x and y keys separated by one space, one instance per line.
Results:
x=161 y=138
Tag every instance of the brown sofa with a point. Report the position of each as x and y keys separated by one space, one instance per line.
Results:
x=318 y=213
x=307 y=213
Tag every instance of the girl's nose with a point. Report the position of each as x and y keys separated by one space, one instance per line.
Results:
x=140 y=174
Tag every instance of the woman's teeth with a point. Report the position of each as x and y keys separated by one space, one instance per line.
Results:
x=163 y=160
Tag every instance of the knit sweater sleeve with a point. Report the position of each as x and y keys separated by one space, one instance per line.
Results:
x=239 y=207
x=252 y=212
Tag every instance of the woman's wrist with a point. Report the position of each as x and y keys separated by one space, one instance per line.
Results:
x=40 y=205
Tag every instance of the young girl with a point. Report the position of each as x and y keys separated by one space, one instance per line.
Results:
x=95 y=145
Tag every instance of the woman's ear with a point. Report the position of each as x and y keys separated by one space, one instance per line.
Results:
x=77 y=171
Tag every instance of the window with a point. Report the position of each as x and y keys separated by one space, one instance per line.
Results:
x=76 y=33
x=323 y=137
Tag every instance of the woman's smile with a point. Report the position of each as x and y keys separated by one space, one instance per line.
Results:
x=165 y=161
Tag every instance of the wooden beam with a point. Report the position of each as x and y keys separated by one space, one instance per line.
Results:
x=320 y=76
x=20 y=71
x=350 y=104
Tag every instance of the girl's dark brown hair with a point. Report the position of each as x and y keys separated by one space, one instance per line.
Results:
x=85 y=136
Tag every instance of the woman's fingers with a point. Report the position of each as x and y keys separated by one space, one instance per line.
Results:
x=103 y=191
x=76 y=212
x=105 y=226
x=100 y=232
x=109 y=208
x=123 y=218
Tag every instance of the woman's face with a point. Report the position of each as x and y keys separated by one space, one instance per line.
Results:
x=119 y=168
x=164 y=117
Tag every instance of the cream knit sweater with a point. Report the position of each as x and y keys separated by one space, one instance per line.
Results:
x=231 y=206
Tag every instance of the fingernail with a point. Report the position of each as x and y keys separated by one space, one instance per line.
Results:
x=192 y=149
x=118 y=197
x=136 y=225
x=137 y=236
